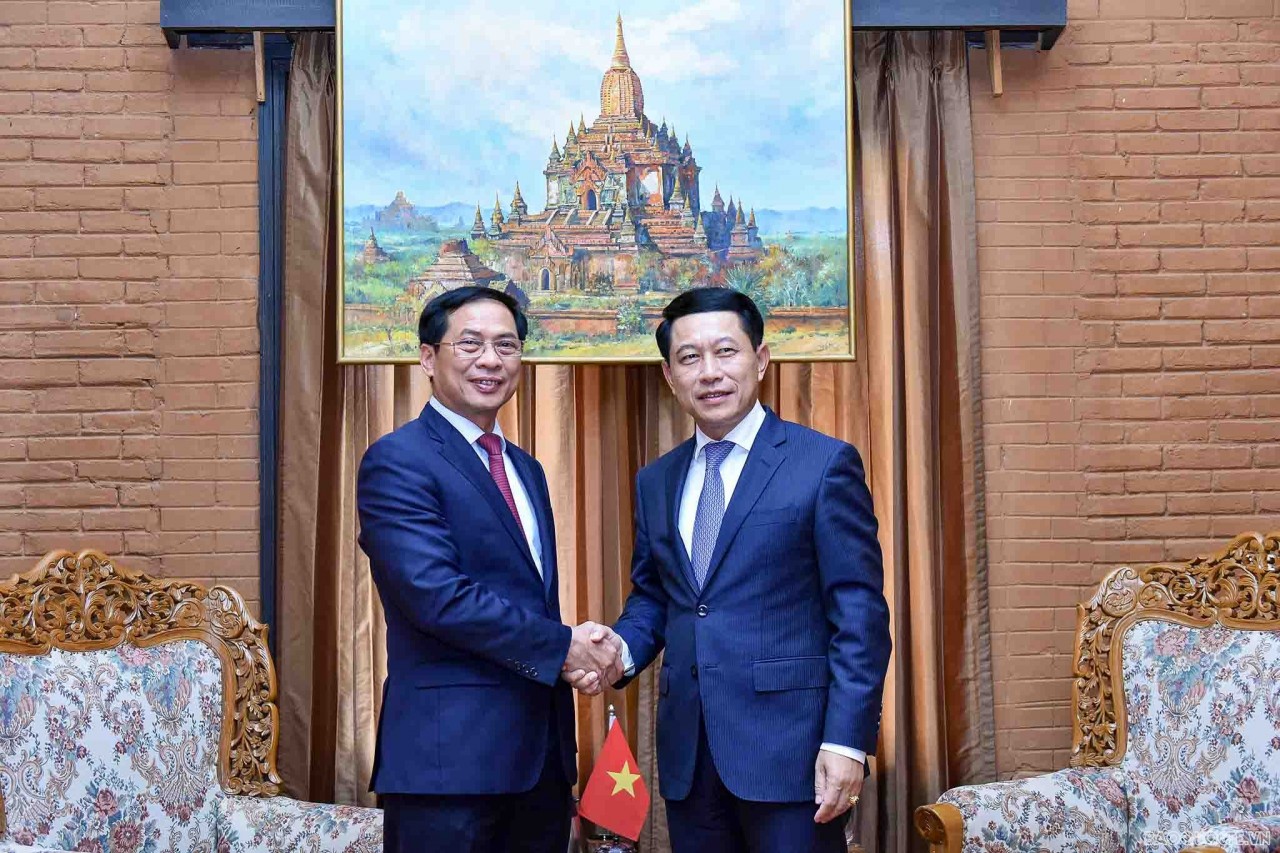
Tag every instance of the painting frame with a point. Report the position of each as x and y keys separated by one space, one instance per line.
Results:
x=847 y=314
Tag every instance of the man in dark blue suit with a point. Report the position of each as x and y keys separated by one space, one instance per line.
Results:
x=757 y=567
x=476 y=748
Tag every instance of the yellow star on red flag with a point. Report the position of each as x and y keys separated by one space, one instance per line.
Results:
x=624 y=780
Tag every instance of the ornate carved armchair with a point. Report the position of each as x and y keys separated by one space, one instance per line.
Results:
x=1176 y=741
x=137 y=715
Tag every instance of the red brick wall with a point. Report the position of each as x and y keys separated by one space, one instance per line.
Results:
x=1129 y=201
x=1129 y=245
x=128 y=279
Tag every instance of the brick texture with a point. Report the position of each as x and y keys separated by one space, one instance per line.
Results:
x=128 y=279
x=1129 y=210
x=1129 y=217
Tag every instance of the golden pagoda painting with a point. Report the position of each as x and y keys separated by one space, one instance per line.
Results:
x=593 y=164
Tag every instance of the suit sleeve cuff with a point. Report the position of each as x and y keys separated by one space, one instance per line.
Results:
x=628 y=662
x=847 y=751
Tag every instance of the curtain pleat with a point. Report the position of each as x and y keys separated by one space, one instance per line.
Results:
x=919 y=288
x=307 y=406
x=910 y=402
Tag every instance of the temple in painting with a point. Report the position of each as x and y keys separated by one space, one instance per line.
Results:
x=619 y=188
x=401 y=214
x=457 y=266
x=372 y=254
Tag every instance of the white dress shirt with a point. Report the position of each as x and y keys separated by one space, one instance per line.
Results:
x=471 y=435
x=743 y=437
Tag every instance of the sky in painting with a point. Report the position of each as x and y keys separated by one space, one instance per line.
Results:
x=454 y=102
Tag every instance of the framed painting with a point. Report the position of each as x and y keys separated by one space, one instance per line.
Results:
x=594 y=162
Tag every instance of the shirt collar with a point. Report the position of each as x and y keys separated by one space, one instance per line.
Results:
x=743 y=435
x=470 y=432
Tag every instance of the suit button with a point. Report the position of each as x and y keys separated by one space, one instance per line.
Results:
x=693 y=670
x=702 y=610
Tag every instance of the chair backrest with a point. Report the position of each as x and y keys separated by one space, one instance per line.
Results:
x=128 y=704
x=114 y=749
x=1178 y=683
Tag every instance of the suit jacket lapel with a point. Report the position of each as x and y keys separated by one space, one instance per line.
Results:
x=763 y=461
x=677 y=471
x=541 y=501
x=464 y=458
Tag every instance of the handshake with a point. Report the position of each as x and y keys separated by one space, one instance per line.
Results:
x=595 y=659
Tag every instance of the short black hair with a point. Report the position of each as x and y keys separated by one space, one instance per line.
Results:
x=434 y=321
x=702 y=300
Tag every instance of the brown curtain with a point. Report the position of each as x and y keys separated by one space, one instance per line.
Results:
x=308 y=463
x=910 y=402
x=920 y=286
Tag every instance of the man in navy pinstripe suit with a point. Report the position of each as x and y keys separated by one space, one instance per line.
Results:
x=757 y=567
x=475 y=749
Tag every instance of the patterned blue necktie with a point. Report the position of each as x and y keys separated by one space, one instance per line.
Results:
x=706 y=524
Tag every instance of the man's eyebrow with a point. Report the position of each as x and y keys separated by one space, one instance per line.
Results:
x=476 y=333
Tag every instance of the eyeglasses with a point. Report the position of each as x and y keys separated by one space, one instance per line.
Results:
x=470 y=348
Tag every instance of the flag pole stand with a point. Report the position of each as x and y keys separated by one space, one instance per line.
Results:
x=614 y=843
x=606 y=835
x=607 y=842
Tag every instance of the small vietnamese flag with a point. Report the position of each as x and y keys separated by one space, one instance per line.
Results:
x=615 y=797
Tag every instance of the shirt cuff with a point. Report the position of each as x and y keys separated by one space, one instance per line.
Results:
x=628 y=662
x=847 y=751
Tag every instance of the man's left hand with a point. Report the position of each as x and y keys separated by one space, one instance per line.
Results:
x=837 y=781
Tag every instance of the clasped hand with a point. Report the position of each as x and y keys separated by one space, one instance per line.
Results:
x=595 y=658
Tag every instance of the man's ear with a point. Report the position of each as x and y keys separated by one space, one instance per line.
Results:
x=427 y=358
x=666 y=373
x=762 y=354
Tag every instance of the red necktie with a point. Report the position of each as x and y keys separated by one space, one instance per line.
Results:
x=498 y=470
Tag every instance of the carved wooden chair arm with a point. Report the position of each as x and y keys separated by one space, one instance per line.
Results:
x=1049 y=813
x=942 y=825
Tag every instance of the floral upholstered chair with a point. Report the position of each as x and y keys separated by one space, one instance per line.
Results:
x=137 y=715
x=1177 y=723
